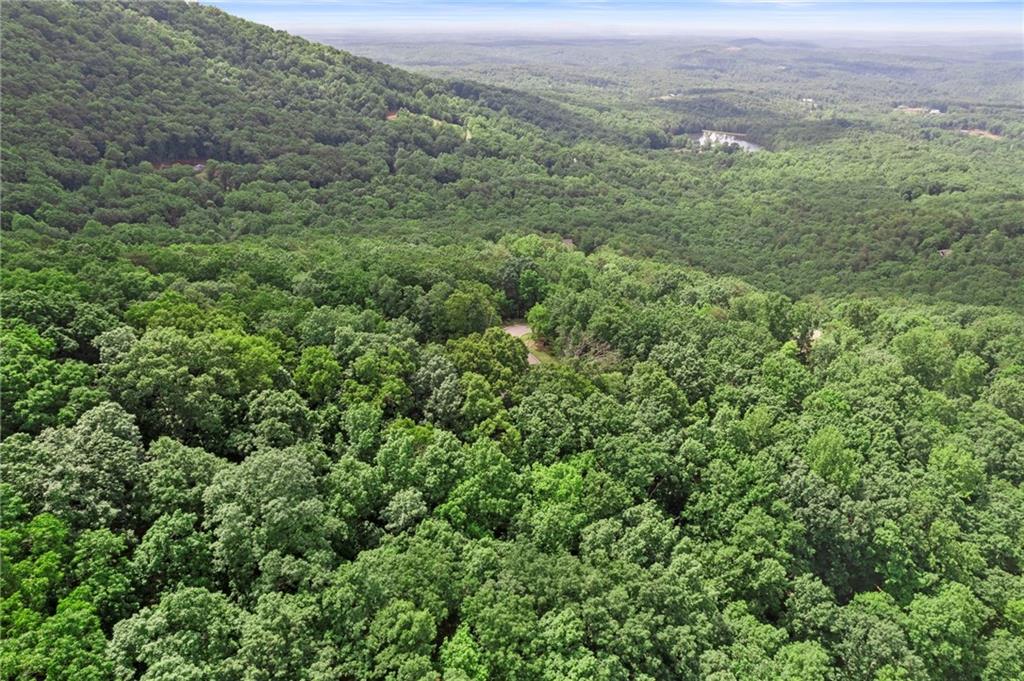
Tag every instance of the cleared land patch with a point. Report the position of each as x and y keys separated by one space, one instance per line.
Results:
x=978 y=132
x=524 y=333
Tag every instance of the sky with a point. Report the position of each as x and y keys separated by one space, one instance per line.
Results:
x=806 y=18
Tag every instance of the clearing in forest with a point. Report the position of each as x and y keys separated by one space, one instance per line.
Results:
x=524 y=333
x=978 y=132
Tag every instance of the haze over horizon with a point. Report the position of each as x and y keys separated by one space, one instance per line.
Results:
x=805 y=18
x=511 y=340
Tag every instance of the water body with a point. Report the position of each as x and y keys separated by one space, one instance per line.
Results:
x=710 y=138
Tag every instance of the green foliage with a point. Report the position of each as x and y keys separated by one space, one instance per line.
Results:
x=494 y=355
x=261 y=421
x=945 y=629
x=39 y=391
x=50 y=630
x=460 y=657
x=318 y=375
x=830 y=458
x=925 y=355
x=88 y=474
x=190 y=633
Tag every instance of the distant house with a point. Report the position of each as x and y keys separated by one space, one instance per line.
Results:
x=945 y=252
x=199 y=167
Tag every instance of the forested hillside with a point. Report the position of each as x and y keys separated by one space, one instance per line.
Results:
x=886 y=167
x=839 y=203
x=260 y=419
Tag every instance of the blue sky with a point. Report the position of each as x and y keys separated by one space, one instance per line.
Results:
x=805 y=17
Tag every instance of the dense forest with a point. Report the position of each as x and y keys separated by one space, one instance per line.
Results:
x=842 y=202
x=891 y=168
x=260 y=419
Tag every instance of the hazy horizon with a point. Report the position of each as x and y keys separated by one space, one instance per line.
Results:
x=512 y=340
x=808 y=19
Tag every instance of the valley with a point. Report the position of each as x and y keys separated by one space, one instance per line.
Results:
x=518 y=357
